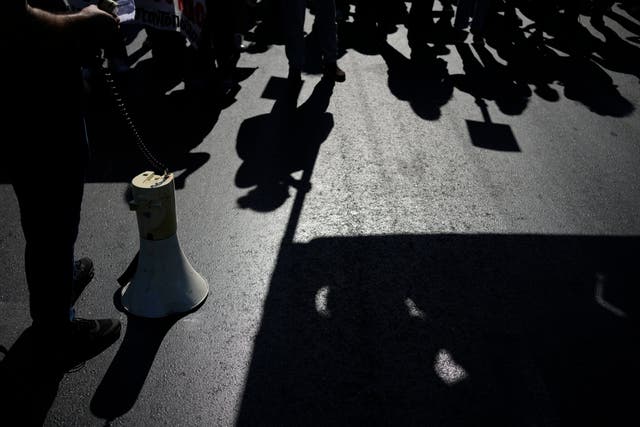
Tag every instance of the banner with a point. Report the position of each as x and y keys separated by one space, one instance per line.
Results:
x=186 y=16
x=160 y=14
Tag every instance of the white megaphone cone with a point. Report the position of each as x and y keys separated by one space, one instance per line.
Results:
x=164 y=283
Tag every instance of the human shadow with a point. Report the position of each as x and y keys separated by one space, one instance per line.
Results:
x=121 y=385
x=448 y=330
x=485 y=78
x=505 y=35
x=313 y=61
x=29 y=381
x=440 y=33
x=625 y=22
x=586 y=82
x=422 y=80
x=265 y=26
x=286 y=140
x=425 y=25
x=353 y=36
x=580 y=59
x=570 y=56
x=583 y=79
x=615 y=53
x=154 y=110
x=632 y=8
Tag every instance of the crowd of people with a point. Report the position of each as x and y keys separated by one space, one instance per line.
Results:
x=52 y=39
x=234 y=27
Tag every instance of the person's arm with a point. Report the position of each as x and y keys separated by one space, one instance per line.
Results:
x=88 y=27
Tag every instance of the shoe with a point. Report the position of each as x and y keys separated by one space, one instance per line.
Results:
x=332 y=71
x=82 y=274
x=86 y=338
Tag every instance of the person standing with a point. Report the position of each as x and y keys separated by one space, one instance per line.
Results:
x=47 y=163
x=324 y=28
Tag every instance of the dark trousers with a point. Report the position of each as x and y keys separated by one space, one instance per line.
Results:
x=218 y=46
x=421 y=13
x=475 y=9
x=325 y=28
x=49 y=193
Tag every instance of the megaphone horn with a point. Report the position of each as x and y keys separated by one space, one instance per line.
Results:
x=164 y=283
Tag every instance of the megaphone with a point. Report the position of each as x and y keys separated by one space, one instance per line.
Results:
x=164 y=282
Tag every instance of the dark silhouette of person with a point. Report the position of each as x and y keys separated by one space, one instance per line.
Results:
x=47 y=167
x=325 y=31
x=423 y=80
x=275 y=145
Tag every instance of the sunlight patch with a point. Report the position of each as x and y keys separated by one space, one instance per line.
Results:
x=447 y=369
x=414 y=311
x=322 y=297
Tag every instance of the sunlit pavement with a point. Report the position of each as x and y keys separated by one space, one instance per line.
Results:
x=433 y=259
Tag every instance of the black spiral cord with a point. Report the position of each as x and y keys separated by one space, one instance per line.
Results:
x=111 y=6
x=126 y=117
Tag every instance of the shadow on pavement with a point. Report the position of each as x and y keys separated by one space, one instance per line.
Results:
x=29 y=377
x=423 y=80
x=490 y=135
x=29 y=381
x=171 y=120
x=171 y=103
x=123 y=381
x=286 y=140
x=448 y=330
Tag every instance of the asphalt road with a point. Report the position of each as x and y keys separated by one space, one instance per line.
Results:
x=432 y=259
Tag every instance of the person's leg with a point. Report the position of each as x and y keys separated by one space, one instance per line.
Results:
x=480 y=10
x=204 y=61
x=342 y=10
x=328 y=36
x=463 y=11
x=421 y=11
x=241 y=20
x=50 y=216
x=223 y=27
x=325 y=23
x=420 y=21
x=294 y=14
x=48 y=253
